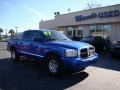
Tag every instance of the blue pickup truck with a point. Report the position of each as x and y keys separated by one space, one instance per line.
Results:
x=53 y=47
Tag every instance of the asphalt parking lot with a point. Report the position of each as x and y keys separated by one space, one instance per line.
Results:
x=29 y=75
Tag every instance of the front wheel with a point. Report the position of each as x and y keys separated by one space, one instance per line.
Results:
x=14 y=55
x=54 y=65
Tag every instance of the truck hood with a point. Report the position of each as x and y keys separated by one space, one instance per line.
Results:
x=70 y=44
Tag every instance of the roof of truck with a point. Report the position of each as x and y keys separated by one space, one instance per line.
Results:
x=41 y=30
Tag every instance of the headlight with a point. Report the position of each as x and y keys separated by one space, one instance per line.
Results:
x=70 y=53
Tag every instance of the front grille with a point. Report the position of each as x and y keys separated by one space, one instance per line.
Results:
x=86 y=52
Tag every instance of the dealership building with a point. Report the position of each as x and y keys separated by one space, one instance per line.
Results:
x=104 y=22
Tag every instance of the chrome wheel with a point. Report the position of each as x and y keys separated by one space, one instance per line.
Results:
x=53 y=66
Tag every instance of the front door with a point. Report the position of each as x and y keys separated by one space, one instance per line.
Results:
x=38 y=46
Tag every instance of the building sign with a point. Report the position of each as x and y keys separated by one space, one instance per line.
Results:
x=106 y=14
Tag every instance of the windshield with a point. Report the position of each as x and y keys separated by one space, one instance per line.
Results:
x=54 y=35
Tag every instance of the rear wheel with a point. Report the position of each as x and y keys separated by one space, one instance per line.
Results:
x=14 y=55
x=112 y=55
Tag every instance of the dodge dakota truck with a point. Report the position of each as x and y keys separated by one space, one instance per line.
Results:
x=53 y=47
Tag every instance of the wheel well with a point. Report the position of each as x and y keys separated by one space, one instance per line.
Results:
x=12 y=48
x=52 y=53
x=59 y=60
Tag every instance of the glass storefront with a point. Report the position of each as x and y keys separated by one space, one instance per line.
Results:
x=106 y=31
x=69 y=32
x=75 y=31
x=103 y=30
x=80 y=31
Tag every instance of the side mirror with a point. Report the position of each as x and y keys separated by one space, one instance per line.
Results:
x=37 y=40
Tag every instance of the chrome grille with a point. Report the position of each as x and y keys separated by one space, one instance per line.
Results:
x=86 y=52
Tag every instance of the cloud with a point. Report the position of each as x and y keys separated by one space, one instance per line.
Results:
x=35 y=12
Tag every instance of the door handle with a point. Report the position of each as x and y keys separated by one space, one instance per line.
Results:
x=31 y=44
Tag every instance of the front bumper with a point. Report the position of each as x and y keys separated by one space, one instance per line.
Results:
x=77 y=63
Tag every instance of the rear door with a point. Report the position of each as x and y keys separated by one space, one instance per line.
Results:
x=26 y=43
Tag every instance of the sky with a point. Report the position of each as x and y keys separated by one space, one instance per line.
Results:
x=26 y=14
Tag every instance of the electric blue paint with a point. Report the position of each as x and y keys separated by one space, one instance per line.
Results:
x=39 y=50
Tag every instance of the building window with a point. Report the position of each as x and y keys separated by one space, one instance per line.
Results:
x=80 y=31
x=102 y=30
x=70 y=31
x=92 y=30
x=107 y=31
x=99 y=30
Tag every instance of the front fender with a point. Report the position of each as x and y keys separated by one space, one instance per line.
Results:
x=57 y=50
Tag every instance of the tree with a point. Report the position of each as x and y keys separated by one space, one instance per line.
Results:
x=1 y=31
x=12 y=32
x=93 y=5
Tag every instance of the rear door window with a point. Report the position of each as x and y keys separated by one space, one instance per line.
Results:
x=27 y=35
x=37 y=35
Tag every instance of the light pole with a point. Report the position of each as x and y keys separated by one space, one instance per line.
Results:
x=6 y=33
x=16 y=29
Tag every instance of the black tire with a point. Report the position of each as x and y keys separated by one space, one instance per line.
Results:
x=54 y=65
x=112 y=55
x=14 y=55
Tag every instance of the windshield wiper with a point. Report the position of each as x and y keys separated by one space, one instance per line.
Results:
x=51 y=39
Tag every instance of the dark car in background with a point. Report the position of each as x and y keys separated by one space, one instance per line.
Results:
x=97 y=41
x=115 y=49
x=76 y=38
